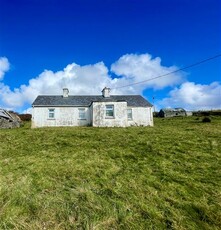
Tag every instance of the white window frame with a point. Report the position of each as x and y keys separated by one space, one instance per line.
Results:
x=129 y=114
x=81 y=113
x=108 y=109
x=51 y=113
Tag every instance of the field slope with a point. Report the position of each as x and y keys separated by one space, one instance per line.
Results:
x=162 y=177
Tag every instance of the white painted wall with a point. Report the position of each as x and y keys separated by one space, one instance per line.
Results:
x=141 y=116
x=99 y=114
x=64 y=116
x=95 y=116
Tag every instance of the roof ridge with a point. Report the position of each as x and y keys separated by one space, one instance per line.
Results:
x=84 y=95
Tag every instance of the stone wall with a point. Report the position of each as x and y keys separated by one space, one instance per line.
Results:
x=7 y=124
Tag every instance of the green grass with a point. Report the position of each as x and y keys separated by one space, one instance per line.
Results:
x=162 y=177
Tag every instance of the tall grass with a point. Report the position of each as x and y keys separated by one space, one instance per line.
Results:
x=162 y=177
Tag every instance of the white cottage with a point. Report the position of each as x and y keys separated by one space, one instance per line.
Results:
x=99 y=110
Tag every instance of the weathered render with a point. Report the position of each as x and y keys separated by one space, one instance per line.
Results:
x=101 y=120
x=99 y=110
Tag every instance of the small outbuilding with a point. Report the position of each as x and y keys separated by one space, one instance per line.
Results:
x=169 y=112
x=9 y=120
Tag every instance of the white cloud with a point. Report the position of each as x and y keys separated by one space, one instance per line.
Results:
x=4 y=66
x=137 y=68
x=91 y=79
x=87 y=79
x=193 y=96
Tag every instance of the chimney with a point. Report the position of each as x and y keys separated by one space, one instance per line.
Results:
x=65 y=92
x=106 y=92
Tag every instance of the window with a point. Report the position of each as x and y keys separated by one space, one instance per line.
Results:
x=109 y=111
x=51 y=113
x=82 y=115
x=129 y=114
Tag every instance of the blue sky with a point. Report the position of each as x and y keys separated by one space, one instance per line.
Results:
x=88 y=44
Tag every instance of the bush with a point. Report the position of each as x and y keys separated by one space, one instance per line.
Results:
x=25 y=117
x=207 y=113
x=206 y=119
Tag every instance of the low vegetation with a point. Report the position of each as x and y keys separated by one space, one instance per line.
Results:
x=25 y=117
x=206 y=119
x=162 y=177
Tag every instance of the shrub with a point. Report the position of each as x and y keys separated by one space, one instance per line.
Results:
x=25 y=117
x=206 y=119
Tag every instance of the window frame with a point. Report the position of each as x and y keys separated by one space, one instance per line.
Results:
x=51 y=111
x=130 y=117
x=81 y=111
x=108 y=110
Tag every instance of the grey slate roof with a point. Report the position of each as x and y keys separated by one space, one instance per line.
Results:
x=132 y=100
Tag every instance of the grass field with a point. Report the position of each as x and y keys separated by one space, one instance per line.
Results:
x=162 y=177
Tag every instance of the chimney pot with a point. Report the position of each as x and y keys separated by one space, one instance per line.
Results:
x=106 y=92
x=65 y=92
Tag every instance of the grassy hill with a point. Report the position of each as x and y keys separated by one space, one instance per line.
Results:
x=162 y=177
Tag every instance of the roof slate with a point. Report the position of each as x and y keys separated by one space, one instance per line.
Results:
x=132 y=100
